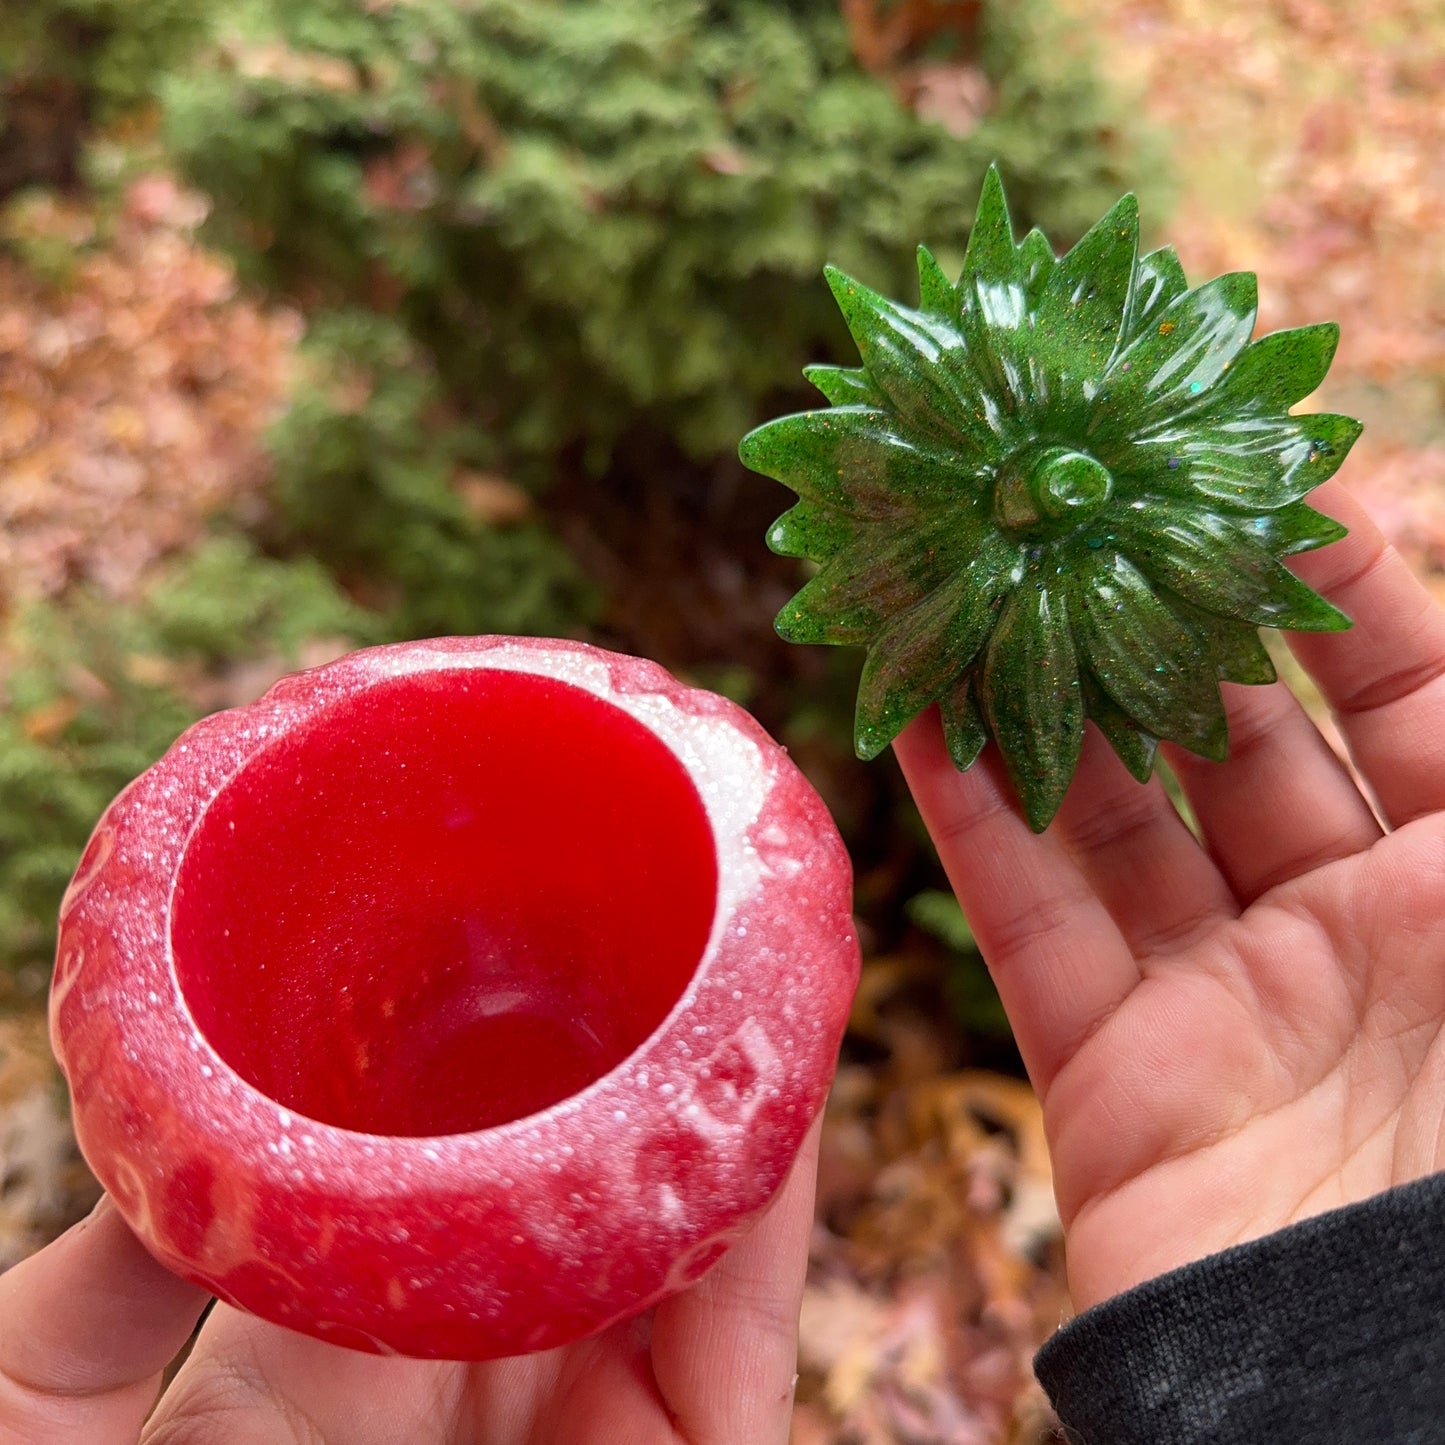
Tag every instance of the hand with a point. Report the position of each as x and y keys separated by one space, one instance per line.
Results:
x=87 y=1326
x=1232 y=1037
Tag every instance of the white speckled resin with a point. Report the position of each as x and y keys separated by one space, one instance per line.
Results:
x=513 y=1238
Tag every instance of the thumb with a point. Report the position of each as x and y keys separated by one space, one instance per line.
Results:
x=86 y=1328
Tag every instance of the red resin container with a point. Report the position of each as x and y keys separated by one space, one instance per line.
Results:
x=457 y=999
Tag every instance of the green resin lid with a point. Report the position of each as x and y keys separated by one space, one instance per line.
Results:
x=1060 y=489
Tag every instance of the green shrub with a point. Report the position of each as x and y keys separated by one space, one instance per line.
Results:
x=372 y=464
x=591 y=216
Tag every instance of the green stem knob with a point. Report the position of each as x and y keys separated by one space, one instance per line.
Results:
x=1046 y=492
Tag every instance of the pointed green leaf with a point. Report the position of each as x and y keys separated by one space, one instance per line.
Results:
x=1330 y=436
x=920 y=653
x=935 y=290
x=1037 y=258
x=1011 y=301
x=880 y=574
x=991 y=258
x=1239 y=655
x=1244 y=658
x=855 y=460
x=1054 y=365
x=1082 y=309
x=964 y=730
x=1213 y=564
x=846 y=386
x=1149 y=661
x=808 y=617
x=1032 y=698
x=1280 y=369
x=833 y=608
x=1179 y=357
x=1246 y=463
x=995 y=316
x=1158 y=281
x=1294 y=529
x=1136 y=748
x=811 y=530
x=917 y=358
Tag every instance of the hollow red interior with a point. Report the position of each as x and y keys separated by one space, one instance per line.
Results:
x=447 y=901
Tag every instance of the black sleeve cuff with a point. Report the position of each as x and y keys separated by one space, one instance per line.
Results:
x=1332 y=1330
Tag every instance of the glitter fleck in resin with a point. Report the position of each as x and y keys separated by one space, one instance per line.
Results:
x=1060 y=488
x=456 y=999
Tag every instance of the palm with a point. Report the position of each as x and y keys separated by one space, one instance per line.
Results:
x=1294 y=1064
x=1227 y=1039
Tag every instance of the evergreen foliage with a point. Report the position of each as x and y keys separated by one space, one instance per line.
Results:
x=367 y=463
x=590 y=215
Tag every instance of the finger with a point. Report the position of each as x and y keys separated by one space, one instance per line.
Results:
x=725 y=1353
x=1142 y=862
x=1057 y=957
x=1384 y=679
x=86 y=1328
x=1281 y=804
x=248 y=1382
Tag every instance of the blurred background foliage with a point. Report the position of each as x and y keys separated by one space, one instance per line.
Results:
x=474 y=300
